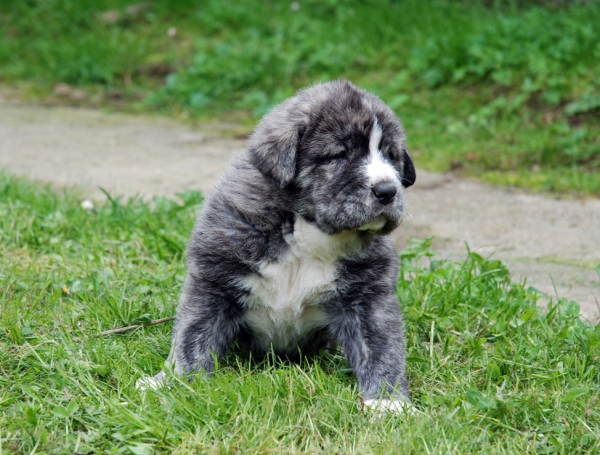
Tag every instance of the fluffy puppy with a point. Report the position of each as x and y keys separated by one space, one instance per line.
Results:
x=290 y=252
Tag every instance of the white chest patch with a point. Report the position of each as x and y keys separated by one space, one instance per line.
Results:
x=282 y=304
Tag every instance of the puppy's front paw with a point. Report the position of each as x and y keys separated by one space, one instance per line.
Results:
x=151 y=382
x=382 y=407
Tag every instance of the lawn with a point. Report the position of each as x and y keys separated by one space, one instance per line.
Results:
x=506 y=91
x=489 y=372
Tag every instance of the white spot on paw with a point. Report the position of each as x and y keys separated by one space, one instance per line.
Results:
x=382 y=407
x=151 y=382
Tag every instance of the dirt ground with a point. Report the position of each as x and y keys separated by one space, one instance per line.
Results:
x=553 y=244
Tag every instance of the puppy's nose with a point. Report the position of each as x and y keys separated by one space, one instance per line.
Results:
x=384 y=192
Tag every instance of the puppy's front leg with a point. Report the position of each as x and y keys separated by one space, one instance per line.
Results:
x=371 y=334
x=206 y=325
x=207 y=322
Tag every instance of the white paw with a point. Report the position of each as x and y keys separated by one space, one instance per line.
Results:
x=151 y=382
x=382 y=407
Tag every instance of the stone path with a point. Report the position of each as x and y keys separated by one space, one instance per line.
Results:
x=554 y=244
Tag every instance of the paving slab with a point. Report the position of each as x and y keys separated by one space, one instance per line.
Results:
x=553 y=244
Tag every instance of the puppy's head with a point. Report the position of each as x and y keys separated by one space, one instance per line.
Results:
x=340 y=154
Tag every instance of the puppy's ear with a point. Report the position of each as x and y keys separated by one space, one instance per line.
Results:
x=409 y=175
x=273 y=152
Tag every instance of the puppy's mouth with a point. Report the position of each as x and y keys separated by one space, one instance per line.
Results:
x=380 y=224
x=376 y=224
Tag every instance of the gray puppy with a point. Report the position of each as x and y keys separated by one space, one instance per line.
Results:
x=290 y=253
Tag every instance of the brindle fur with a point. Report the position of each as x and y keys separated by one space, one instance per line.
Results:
x=305 y=165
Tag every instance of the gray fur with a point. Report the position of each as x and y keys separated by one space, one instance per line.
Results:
x=291 y=253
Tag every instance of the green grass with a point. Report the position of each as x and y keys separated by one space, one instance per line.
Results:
x=489 y=373
x=509 y=92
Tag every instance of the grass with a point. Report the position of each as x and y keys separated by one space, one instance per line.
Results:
x=508 y=92
x=489 y=372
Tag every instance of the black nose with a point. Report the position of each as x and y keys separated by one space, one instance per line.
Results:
x=384 y=192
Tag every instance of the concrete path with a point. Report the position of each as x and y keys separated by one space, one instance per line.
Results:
x=554 y=244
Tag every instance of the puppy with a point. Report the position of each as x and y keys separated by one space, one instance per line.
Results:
x=290 y=254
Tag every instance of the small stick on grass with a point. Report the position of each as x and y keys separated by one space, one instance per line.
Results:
x=128 y=328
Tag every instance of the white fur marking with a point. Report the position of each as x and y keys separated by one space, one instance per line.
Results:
x=377 y=169
x=374 y=225
x=151 y=382
x=389 y=406
x=283 y=297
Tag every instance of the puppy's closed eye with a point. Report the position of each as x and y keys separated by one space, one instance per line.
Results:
x=340 y=155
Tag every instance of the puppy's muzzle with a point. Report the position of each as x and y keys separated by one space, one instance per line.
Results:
x=384 y=192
